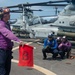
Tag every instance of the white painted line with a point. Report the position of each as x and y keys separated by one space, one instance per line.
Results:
x=41 y=69
x=18 y=46
x=15 y=48
x=15 y=61
x=26 y=44
x=39 y=43
x=34 y=47
x=29 y=43
x=37 y=40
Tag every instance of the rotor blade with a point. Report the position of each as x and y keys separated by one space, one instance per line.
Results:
x=28 y=9
x=24 y=5
x=70 y=1
x=43 y=3
x=36 y=10
x=20 y=11
x=12 y=6
x=49 y=3
x=15 y=10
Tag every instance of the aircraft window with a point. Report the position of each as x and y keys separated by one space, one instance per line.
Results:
x=60 y=22
x=48 y=20
x=71 y=7
x=34 y=22
x=63 y=22
x=68 y=11
x=65 y=13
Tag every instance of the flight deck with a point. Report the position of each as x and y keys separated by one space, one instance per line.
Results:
x=42 y=67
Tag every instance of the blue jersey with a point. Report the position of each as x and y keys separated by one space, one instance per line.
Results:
x=52 y=43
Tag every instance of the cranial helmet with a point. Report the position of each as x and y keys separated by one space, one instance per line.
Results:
x=50 y=36
x=58 y=39
x=4 y=11
x=64 y=37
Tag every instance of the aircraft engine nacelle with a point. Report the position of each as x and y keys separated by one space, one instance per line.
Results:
x=70 y=35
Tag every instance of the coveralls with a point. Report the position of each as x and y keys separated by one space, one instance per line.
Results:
x=50 y=47
x=65 y=47
x=5 y=47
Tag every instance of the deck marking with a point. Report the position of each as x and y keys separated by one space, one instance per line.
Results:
x=18 y=46
x=25 y=43
x=41 y=69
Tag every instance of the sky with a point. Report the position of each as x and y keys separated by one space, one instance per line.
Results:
x=47 y=9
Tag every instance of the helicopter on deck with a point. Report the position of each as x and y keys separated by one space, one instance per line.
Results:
x=64 y=24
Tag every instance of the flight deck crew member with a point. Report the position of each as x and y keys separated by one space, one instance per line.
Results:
x=59 y=41
x=65 y=46
x=6 y=45
x=50 y=46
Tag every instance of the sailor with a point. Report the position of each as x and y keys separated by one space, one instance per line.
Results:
x=6 y=44
x=50 y=46
x=65 y=46
x=59 y=41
